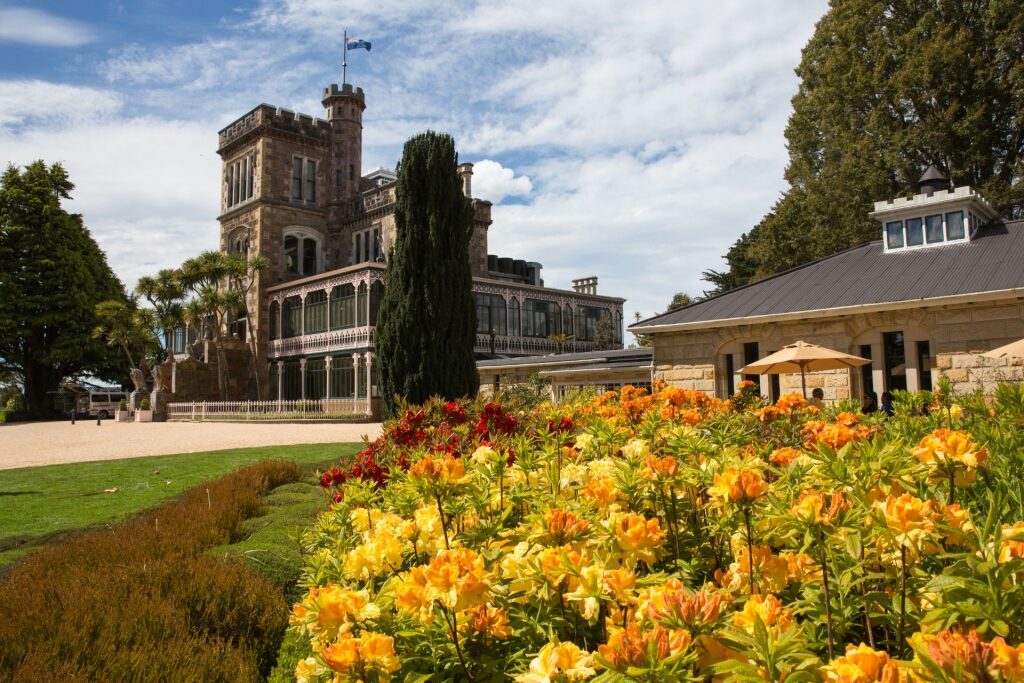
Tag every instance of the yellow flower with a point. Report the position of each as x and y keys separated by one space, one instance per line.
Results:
x=768 y=609
x=369 y=652
x=325 y=612
x=603 y=492
x=1012 y=546
x=948 y=451
x=958 y=524
x=584 y=442
x=488 y=620
x=861 y=664
x=559 y=659
x=455 y=579
x=309 y=670
x=814 y=508
x=771 y=571
x=450 y=470
x=639 y=538
x=1008 y=660
x=911 y=519
x=636 y=449
x=485 y=455
x=741 y=487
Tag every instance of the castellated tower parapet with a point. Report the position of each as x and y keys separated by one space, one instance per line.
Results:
x=344 y=108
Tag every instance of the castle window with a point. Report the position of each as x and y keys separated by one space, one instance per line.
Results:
x=928 y=230
x=894 y=234
x=304 y=180
x=291 y=317
x=955 y=225
x=239 y=177
x=315 y=317
x=339 y=178
x=240 y=244
x=541 y=318
x=301 y=253
x=915 y=232
x=366 y=246
x=586 y=321
x=513 y=318
x=343 y=307
x=490 y=314
x=275 y=320
x=933 y=228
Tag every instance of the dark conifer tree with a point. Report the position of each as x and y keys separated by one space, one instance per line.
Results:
x=426 y=328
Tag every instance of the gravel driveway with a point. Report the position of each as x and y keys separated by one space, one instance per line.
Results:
x=48 y=443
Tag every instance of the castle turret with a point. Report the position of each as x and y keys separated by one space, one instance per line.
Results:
x=344 y=111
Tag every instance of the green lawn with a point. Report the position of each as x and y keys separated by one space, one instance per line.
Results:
x=37 y=503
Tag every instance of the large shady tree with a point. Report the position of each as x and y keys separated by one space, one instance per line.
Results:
x=426 y=329
x=52 y=276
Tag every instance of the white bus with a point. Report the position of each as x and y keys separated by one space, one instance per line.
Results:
x=102 y=404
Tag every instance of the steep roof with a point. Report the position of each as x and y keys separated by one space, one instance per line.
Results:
x=993 y=261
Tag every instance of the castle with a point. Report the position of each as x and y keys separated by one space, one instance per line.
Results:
x=293 y=191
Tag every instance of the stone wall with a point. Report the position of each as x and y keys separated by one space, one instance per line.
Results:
x=969 y=372
x=698 y=359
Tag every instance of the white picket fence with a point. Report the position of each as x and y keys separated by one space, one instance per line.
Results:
x=268 y=411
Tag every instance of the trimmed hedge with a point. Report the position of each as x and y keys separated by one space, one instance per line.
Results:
x=144 y=601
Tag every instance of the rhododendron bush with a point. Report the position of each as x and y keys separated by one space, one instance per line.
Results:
x=670 y=536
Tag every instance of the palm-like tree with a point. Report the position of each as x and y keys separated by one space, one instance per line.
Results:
x=165 y=294
x=242 y=274
x=123 y=325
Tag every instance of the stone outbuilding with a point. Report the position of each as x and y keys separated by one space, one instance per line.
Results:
x=944 y=284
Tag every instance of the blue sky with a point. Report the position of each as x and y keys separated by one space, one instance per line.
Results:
x=635 y=143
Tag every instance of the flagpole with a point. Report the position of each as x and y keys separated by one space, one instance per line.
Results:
x=344 y=58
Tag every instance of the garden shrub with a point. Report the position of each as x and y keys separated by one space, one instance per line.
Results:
x=143 y=601
x=674 y=537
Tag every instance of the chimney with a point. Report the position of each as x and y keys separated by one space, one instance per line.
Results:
x=466 y=176
x=585 y=285
x=932 y=181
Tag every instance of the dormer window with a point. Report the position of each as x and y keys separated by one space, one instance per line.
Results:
x=936 y=216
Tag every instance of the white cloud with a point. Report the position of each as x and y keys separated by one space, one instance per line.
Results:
x=25 y=101
x=35 y=27
x=494 y=182
x=147 y=188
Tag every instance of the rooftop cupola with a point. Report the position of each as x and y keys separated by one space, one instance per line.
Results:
x=932 y=181
x=936 y=216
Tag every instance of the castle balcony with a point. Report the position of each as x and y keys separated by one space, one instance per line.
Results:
x=336 y=312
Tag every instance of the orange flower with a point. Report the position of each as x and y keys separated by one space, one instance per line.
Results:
x=672 y=606
x=836 y=434
x=1008 y=660
x=643 y=649
x=325 y=612
x=955 y=652
x=661 y=467
x=620 y=583
x=564 y=527
x=488 y=620
x=456 y=579
x=450 y=470
x=1012 y=546
x=369 y=652
x=861 y=664
x=602 y=491
x=768 y=609
x=785 y=455
x=770 y=570
x=738 y=486
x=639 y=538
x=958 y=524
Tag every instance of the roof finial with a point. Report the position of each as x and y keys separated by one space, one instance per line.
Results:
x=932 y=181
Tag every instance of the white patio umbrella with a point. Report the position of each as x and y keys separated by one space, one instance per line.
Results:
x=1011 y=350
x=803 y=358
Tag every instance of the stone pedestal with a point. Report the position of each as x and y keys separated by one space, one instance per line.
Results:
x=135 y=398
x=158 y=401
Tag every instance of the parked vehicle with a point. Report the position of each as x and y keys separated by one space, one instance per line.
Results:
x=103 y=404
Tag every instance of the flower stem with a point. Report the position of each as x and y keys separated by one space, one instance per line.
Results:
x=750 y=549
x=828 y=599
x=455 y=639
x=903 y=597
x=444 y=527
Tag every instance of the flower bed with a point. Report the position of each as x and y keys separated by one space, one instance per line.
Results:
x=674 y=537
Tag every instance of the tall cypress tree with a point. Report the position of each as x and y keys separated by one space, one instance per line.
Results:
x=426 y=328
x=887 y=88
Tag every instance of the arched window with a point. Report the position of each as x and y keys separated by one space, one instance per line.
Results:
x=239 y=243
x=376 y=296
x=343 y=307
x=315 y=317
x=275 y=320
x=567 y=320
x=302 y=252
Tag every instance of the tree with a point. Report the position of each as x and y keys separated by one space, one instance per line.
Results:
x=604 y=333
x=680 y=300
x=52 y=275
x=165 y=295
x=426 y=328
x=887 y=88
x=560 y=340
x=124 y=325
x=642 y=340
x=242 y=273
x=207 y=277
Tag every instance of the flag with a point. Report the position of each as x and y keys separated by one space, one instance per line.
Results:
x=355 y=44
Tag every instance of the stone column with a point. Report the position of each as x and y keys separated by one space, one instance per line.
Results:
x=357 y=360
x=280 y=379
x=327 y=382
x=369 y=383
x=302 y=377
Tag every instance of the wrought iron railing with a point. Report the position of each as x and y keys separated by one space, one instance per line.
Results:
x=264 y=411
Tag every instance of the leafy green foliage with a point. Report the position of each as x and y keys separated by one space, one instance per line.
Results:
x=54 y=275
x=426 y=329
x=885 y=90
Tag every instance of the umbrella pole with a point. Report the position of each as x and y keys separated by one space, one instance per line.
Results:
x=803 y=381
